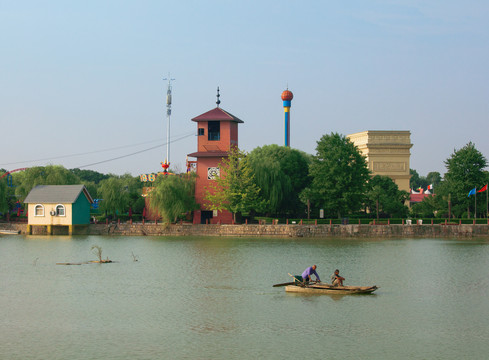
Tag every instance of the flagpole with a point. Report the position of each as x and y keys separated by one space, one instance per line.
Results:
x=475 y=201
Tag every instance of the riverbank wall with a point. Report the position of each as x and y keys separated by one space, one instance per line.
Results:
x=267 y=230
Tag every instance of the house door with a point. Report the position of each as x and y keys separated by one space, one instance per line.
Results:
x=204 y=216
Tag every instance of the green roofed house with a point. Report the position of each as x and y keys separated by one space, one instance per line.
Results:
x=58 y=206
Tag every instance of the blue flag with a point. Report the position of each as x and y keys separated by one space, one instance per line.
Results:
x=472 y=192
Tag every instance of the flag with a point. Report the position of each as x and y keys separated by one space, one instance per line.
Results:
x=430 y=187
x=484 y=188
x=472 y=192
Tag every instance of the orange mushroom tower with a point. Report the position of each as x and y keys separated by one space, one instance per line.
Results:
x=217 y=132
x=287 y=97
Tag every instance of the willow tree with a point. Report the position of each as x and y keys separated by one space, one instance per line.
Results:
x=235 y=189
x=281 y=173
x=114 y=193
x=173 y=195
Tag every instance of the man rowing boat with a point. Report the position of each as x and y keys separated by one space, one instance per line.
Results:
x=306 y=275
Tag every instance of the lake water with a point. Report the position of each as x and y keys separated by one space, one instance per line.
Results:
x=212 y=298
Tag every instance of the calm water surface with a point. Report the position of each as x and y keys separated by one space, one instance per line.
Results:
x=212 y=298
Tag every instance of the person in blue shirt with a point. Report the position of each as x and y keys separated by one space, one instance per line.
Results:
x=306 y=275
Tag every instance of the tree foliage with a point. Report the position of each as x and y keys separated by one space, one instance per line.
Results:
x=385 y=199
x=114 y=193
x=417 y=181
x=173 y=196
x=426 y=208
x=339 y=176
x=465 y=170
x=3 y=194
x=89 y=175
x=43 y=175
x=281 y=173
x=235 y=190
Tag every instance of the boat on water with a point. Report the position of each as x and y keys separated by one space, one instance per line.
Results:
x=321 y=288
x=9 y=232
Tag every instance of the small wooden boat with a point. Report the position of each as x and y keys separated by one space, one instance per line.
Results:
x=9 y=232
x=321 y=288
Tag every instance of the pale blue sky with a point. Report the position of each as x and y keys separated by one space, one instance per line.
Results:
x=79 y=77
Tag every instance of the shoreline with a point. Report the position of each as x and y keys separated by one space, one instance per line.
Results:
x=265 y=230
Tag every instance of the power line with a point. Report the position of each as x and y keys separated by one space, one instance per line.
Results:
x=90 y=152
x=135 y=153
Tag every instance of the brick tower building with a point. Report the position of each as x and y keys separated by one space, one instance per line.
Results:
x=217 y=131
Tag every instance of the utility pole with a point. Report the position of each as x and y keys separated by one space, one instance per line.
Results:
x=168 y=115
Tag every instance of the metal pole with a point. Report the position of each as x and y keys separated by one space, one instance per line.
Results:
x=168 y=115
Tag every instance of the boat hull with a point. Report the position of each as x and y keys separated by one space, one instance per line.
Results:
x=9 y=232
x=328 y=289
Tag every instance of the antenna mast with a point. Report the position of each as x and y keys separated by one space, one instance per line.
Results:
x=168 y=115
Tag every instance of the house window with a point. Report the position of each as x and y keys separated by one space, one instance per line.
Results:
x=60 y=210
x=214 y=130
x=201 y=131
x=39 y=210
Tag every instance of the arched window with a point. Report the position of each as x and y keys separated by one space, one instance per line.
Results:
x=60 y=210
x=39 y=210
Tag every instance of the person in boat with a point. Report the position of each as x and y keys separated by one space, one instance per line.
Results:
x=336 y=279
x=306 y=275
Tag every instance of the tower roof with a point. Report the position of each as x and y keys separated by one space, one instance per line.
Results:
x=217 y=114
x=287 y=95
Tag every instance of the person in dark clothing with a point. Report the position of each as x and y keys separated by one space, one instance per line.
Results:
x=336 y=279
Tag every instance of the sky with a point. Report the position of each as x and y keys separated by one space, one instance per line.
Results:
x=82 y=82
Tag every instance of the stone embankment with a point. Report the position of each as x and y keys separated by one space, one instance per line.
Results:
x=353 y=231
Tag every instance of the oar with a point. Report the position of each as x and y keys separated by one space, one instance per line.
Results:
x=285 y=284
x=301 y=283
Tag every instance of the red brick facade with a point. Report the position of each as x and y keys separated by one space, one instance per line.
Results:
x=217 y=131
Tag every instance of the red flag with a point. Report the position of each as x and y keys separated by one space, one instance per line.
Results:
x=484 y=188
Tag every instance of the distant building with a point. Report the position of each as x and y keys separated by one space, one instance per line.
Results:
x=387 y=152
x=58 y=206
x=416 y=198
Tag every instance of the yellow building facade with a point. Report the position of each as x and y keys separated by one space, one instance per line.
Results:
x=387 y=153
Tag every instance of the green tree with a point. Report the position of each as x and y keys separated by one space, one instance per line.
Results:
x=89 y=175
x=173 y=195
x=43 y=175
x=3 y=194
x=134 y=187
x=414 y=181
x=114 y=193
x=281 y=173
x=426 y=208
x=385 y=199
x=339 y=176
x=465 y=170
x=235 y=189
x=433 y=178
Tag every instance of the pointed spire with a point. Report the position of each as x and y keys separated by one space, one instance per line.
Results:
x=218 y=95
